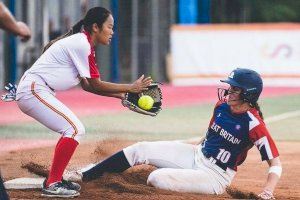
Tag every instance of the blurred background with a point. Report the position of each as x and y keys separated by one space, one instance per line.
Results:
x=183 y=42
x=189 y=45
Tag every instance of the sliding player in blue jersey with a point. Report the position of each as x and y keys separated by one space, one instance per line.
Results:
x=208 y=165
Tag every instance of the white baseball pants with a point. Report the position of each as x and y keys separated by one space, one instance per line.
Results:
x=37 y=100
x=182 y=167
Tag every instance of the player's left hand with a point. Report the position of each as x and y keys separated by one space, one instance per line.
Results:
x=11 y=95
x=266 y=194
x=140 y=85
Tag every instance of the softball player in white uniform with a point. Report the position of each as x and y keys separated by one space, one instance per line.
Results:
x=65 y=63
x=207 y=166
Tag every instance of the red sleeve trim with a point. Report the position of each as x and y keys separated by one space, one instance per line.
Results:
x=273 y=147
x=94 y=72
x=261 y=137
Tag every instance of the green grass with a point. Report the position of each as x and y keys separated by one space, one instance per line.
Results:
x=176 y=123
x=288 y=129
x=278 y=105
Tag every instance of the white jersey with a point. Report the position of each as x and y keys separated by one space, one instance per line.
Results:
x=68 y=60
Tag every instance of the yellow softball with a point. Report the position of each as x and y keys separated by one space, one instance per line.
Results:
x=146 y=102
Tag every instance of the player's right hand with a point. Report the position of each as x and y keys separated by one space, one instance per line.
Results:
x=266 y=194
x=140 y=85
x=24 y=31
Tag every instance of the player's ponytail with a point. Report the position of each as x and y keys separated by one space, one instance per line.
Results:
x=77 y=27
x=96 y=15
x=257 y=107
x=56 y=39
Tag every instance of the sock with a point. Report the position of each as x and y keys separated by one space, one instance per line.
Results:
x=114 y=164
x=62 y=155
x=60 y=139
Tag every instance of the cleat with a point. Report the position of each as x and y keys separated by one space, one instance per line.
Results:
x=71 y=185
x=58 y=190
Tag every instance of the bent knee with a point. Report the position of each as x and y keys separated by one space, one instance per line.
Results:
x=80 y=132
x=153 y=179
x=136 y=153
x=75 y=131
x=139 y=146
x=159 y=179
x=80 y=129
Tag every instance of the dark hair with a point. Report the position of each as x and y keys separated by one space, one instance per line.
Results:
x=94 y=15
x=257 y=107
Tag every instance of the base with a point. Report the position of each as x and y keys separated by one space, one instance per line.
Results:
x=24 y=183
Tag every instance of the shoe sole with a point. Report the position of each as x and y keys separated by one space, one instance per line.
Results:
x=60 y=196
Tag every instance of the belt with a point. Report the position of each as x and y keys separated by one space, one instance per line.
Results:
x=36 y=75
x=214 y=161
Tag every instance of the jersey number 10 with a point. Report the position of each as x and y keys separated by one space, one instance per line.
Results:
x=223 y=156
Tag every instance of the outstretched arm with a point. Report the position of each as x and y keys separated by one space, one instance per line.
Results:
x=274 y=174
x=8 y=22
x=103 y=88
x=87 y=87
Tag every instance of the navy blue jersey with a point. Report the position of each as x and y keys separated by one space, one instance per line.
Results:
x=231 y=135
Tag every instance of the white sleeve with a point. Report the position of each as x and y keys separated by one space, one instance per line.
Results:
x=79 y=55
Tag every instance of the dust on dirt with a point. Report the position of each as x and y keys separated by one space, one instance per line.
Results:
x=238 y=194
x=37 y=169
x=131 y=184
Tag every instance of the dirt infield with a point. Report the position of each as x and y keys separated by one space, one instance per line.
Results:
x=132 y=183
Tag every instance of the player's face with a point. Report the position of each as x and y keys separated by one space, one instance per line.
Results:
x=234 y=96
x=105 y=34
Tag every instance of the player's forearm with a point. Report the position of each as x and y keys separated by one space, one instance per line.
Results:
x=7 y=21
x=274 y=173
x=107 y=87
x=87 y=87
x=115 y=95
x=272 y=181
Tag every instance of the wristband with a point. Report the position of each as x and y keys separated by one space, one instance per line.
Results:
x=276 y=170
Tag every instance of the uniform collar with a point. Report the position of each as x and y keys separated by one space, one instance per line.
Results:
x=240 y=112
x=88 y=35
